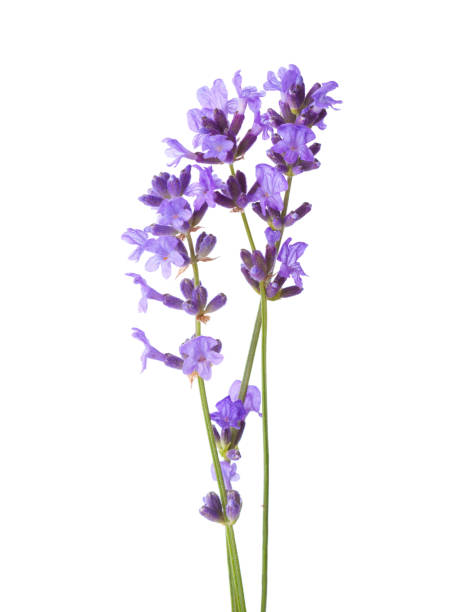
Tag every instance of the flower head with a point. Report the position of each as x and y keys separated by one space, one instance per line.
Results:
x=270 y=184
x=292 y=144
x=168 y=250
x=206 y=186
x=230 y=412
x=175 y=213
x=217 y=146
x=199 y=355
x=248 y=95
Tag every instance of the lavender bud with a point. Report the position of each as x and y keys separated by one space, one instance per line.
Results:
x=198 y=215
x=187 y=288
x=205 y=244
x=216 y=434
x=290 y=291
x=233 y=454
x=248 y=278
x=200 y=297
x=172 y=361
x=223 y=200
x=237 y=123
x=151 y=200
x=233 y=187
x=234 y=506
x=247 y=142
x=246 y=258
x=216 y=303
x=226 y=436
x=220 y=120
x=297 y=214
x=172 y=302
x=212 y=508
x=237 y=434
x=185 y=178
x=161 y=230
x=191 y=307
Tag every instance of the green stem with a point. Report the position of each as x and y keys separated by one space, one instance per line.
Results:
x=234 y=565
x=248 y=231
x=264 y=395
x=251 y=356
x=233 y=597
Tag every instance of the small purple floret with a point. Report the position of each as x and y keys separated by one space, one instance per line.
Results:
x=293 y=143
x=288 y=256
x=199 y=355
x=230 y=412
x=168 y=250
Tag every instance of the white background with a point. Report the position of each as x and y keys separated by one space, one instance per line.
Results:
x=102 y=469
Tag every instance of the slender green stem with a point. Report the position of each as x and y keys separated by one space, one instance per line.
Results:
x=233 y=565
x=251 y=356
x=264 y=396
x=248 y=231
x=233 y=596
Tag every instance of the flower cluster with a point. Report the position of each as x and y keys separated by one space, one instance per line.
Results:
x=178 y=204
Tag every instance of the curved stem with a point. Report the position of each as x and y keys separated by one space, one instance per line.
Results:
x=264 y=395
x=234 y=565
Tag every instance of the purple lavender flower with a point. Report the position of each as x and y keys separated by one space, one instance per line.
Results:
x=287 y=78
x=293 y=143
x=139 y=238
x=270 y=184
x=217 y=146
x=252 y=402
x=199 y=355
x=248 y=95
x=147 y=292
x=175 y=213
x=288 y=256
x=318 y=96
x=176 y=151
x=168 y=250
x=206 y=187
x=229 y=472
x=264 y=124
x=149 y=351
x=230 y=412
x=216 y=97
x=233 y=506
x=212 y=508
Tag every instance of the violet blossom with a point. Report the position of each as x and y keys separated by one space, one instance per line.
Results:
x=199 y=355
x=168 y=251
